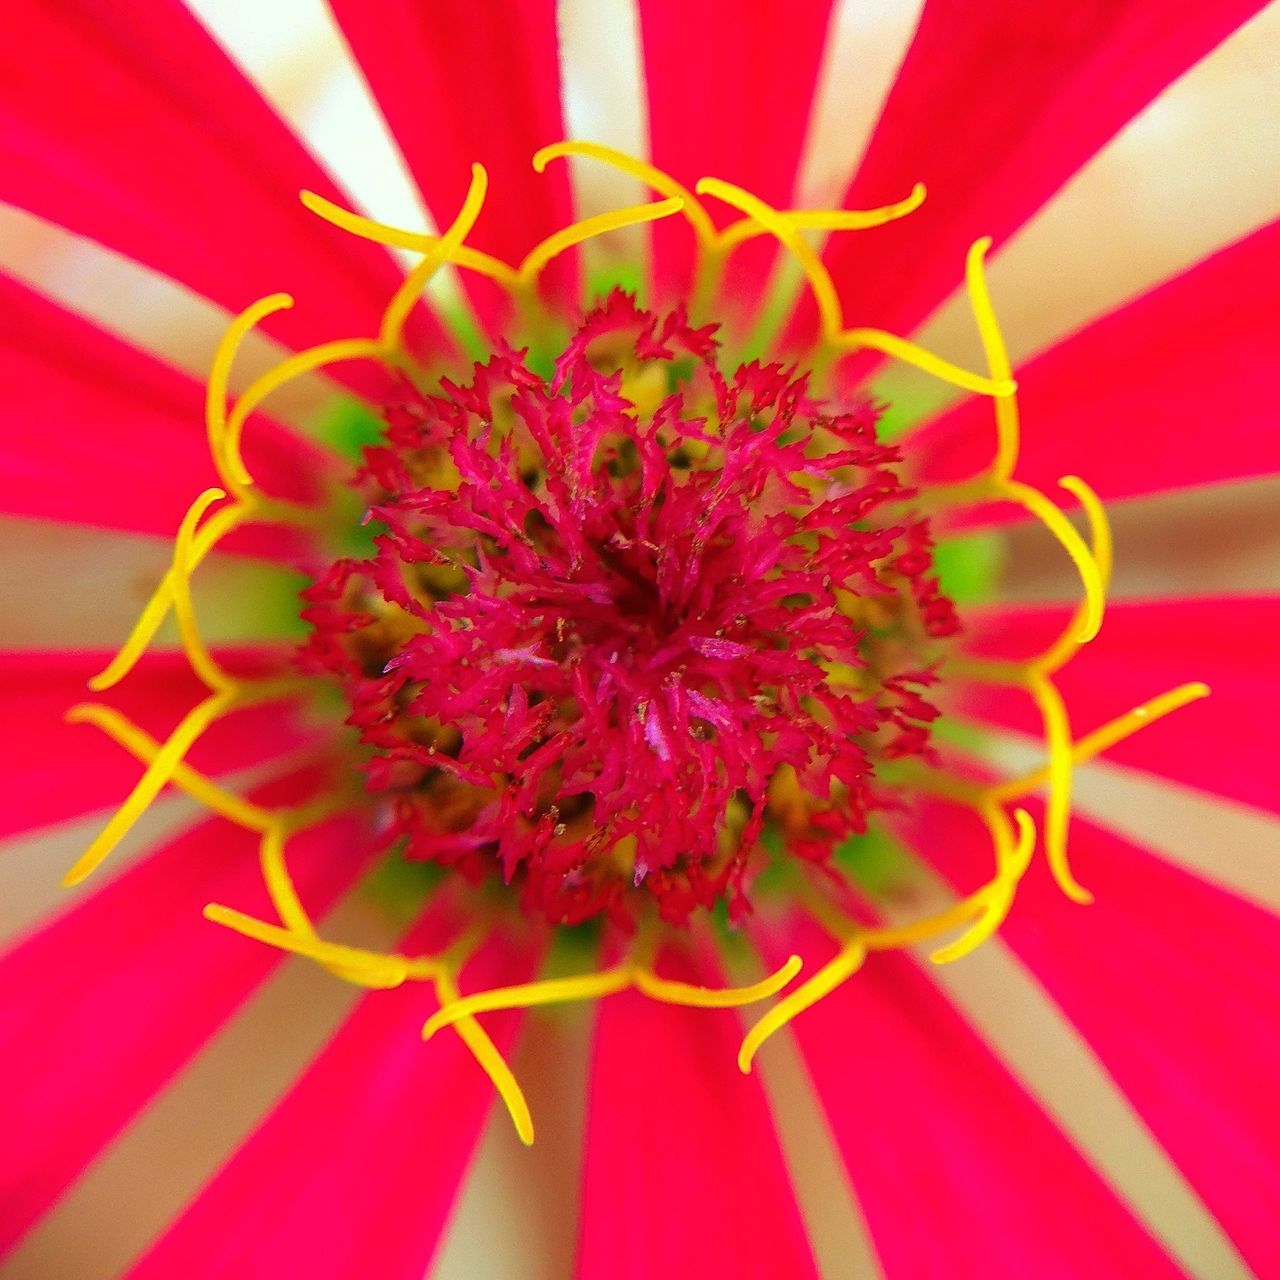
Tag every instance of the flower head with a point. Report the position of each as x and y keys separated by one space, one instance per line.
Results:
x=632 y=664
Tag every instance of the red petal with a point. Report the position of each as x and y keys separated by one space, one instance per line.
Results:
x=997 y=104
x=460 y=83
x=54 y=770
x=683 y=1174
x=728 y=98
x=103 y=1005
x=957 y=1169
x=1171 y=980
x=1173 y=389
x=145 y=136
x=1225 y=743
x=355 y=1171
x=99 y=433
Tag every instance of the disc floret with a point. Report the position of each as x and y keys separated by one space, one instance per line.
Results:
x=613 y=616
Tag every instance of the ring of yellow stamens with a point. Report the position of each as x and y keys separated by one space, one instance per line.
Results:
x=1013 y=838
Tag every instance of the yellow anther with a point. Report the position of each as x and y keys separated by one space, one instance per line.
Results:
x=527 y=995
x=832 y=974
x=367 y=228
x=828 y=219
x=913 y=354
x=152 y=782
x=542 y=253
x=193 y=645
x=1006 y=407
x=226 y=459
x=655 y=179
x=1073 y=544
x=391 y=331
x=157 y=607
x=697 y=997
x=142 y=745
x=1106 y=736
x=366 y=968
x=491 y=1061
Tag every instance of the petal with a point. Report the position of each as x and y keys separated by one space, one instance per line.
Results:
x=1171 y=980
x=728 y=99
x=357 y=1168
x=1224 y=744
x=107 y=1002
x=958 y=1171
x=55 y=770
x=1174 y=389
x=461 y=83
x=145 y=137
x=100 y=433
x=997 y=104
x=683 y=1173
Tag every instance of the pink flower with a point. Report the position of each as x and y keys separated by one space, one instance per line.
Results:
x=635 y=665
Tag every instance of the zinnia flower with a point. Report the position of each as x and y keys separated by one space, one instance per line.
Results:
x=621 y=640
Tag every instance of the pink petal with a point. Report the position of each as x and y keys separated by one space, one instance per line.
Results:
x=355 y=1171
x=1172 y=981
x=728 y=98
x=683 y=1174
x=1174 y=389
x=54 y=770
x=104 y=1004
x=145 y=136
x=997 y=104
x=957 y=1169
x=1225 y=743
x=461 y=83
x=100 y=433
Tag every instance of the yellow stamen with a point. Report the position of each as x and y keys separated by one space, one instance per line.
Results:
x=1006 y=406
x=827 y=219
x=365 y=968
x=491 y=1061
x=1105 y=737
x=202 y=662
x=142 y=745
x=696 y=997
x=828 y=302
x=152 y=782
x=599 y=224
x=832 y=974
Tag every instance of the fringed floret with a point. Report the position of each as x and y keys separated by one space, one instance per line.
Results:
x=608 y=609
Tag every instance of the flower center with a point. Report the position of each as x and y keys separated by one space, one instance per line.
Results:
x=619 y=621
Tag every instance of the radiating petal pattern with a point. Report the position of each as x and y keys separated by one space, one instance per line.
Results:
x=958 y=1171
x=997 y=104
x=54 y=770
x=1174 y=389
x=97 y=432
x=1225 y=743
x=144 y=136
x=356 y=1169
x=683 y=1174
x=106 y=1002
x=1172 y=982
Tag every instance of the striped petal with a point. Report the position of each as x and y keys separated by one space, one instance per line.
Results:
x=145 y=137
x=729 y=99
x=959 y=1173
x=104 y=1004
x=683 y=1173
x=1224 y=744
x=1172 y=982
x=97 y=432
x=54 y=770
x=997 y=104
x=356 y=1170
x=461 y=83
x=1174 y=389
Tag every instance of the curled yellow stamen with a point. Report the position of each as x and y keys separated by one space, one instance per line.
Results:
x=597 y=225
x=828 y=219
